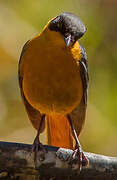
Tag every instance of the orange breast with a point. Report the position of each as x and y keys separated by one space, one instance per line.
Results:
x=51 y=82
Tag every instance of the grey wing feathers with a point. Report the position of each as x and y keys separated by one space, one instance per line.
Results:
x=84 y=74
x=33 y=114
x=78 y=114
x=19 y=75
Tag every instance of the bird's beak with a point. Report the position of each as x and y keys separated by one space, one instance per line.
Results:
x=67 y=40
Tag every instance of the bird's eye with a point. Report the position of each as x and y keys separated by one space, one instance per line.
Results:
x=56 y=24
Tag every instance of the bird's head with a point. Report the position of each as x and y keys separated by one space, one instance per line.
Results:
x=69 y=26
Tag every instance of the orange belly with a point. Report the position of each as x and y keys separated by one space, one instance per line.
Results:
x=52 y=82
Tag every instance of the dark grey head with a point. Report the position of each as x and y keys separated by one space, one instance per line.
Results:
x=69 y=25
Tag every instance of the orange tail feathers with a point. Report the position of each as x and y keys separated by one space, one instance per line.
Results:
x=59 y=131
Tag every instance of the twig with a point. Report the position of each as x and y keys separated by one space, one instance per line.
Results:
x=17 y=158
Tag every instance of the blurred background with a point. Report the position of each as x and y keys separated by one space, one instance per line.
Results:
x=20 y=21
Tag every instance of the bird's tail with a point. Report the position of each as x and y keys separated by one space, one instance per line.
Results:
x=59 y=131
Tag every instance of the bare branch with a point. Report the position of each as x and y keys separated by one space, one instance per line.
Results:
x=17 y=158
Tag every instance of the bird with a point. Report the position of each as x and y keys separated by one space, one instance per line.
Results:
x=53 y=80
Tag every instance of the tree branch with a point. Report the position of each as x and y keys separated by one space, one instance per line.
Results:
x=17 y=158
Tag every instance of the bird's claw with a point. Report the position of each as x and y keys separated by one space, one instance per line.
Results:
x=81 y=158
x=36 y=147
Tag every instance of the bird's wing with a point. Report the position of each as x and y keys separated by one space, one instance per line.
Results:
x=78 y=114
x=33 y=114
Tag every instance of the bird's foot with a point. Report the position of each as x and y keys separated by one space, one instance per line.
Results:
x=38 y=147
x=82 y=159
